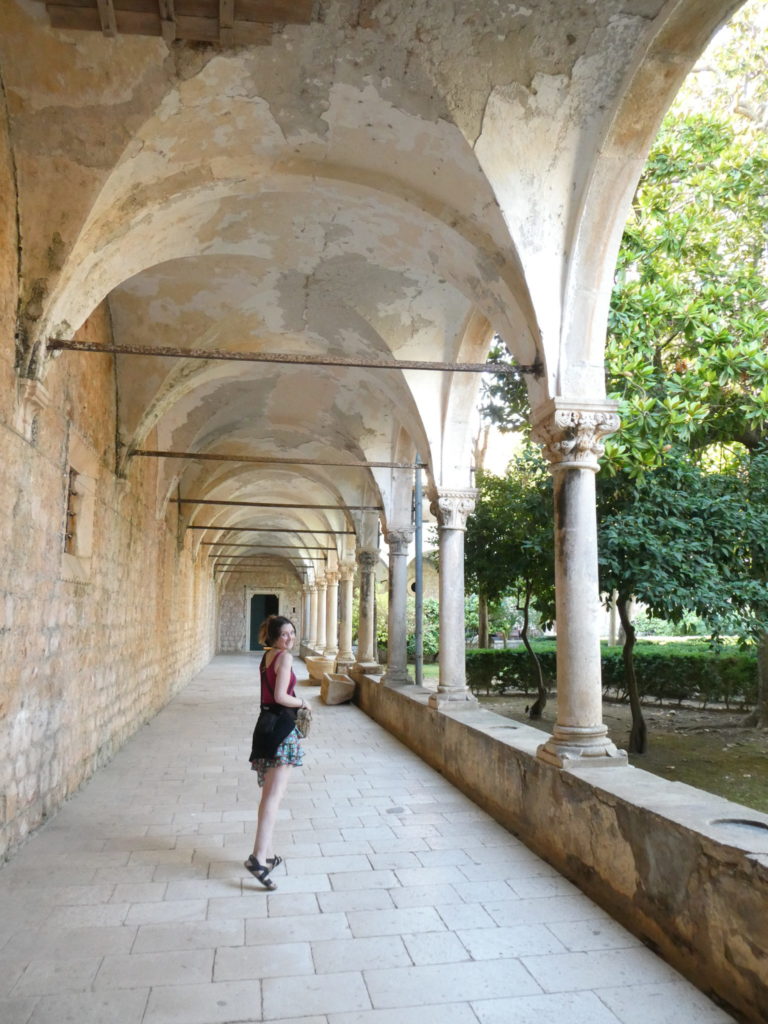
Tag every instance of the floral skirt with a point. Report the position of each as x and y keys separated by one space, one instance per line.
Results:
x=289 y=752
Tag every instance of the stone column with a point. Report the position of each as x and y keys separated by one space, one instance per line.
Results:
x=451 y=510
x=570 y=434
x=367 y=656
x=321 y=616
x=397 y=624
x=346 y=656
x=331 y=615
x=312 y=638
x=306 y=612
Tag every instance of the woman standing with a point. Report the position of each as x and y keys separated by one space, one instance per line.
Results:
x=278 y=683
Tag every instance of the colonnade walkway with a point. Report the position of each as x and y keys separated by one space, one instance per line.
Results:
x=399 y=902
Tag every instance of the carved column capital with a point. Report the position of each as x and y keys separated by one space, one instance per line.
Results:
x=398 y=540
x=452 y=508
x=571 y=433
x=347 y=572
x=331 y=577
x=367 y=560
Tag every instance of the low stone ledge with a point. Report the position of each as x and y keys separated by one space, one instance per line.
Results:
x=685 y=871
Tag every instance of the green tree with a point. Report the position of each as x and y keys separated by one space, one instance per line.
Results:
x=509 y=547
x=677 y=539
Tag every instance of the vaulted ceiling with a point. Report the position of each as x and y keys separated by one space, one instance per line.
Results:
x=338 y=179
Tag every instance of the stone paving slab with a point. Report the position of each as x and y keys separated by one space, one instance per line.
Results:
x=399 y=902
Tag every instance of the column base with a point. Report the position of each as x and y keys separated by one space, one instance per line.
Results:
x=368 y=668
x=397 y=677
x=455 y=699
x=344 y=664
x=589 y=745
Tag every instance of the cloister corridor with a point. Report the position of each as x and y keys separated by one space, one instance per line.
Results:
x=254 y=255
x=400 y=901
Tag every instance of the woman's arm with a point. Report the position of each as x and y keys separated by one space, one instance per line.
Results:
x=283 y=680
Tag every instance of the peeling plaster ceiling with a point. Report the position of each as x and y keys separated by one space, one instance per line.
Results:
x=390 y=180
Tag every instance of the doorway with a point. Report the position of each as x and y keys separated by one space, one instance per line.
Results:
x=262 y=605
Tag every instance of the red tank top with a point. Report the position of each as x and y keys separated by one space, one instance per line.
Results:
x=269 y=680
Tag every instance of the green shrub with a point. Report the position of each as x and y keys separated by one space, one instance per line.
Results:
x=665 y=672
x=498 y=671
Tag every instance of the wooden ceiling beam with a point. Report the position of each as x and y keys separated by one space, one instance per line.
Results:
x=167 y=20
x=107 y=17
x=224 y=22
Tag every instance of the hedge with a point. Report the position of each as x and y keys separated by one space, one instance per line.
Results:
x=665 y=672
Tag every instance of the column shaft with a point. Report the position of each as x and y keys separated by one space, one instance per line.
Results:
x=452 y=509
x=367 y=656
x=321 y=616
x=346 y=655
x=397 y=620
x=571 y=438
x=312 y=640
x=332 y=614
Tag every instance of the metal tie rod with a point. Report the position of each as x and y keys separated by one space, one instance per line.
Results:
x=292 y=359
x=270 y=460
x=270 y=529
x=279 y=504
x=296 y=550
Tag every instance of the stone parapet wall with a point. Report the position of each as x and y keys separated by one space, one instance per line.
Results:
x=656 y=855
x=90 y=648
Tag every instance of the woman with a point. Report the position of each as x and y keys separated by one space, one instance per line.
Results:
x=278 y=683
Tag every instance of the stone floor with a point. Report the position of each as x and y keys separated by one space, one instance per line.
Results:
x=399 y=902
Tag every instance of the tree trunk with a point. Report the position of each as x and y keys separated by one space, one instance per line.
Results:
x=537 y=709
x=482 y=621
x=759 y=716
x=638 y=736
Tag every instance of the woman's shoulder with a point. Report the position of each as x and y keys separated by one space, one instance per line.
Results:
x=287 y=658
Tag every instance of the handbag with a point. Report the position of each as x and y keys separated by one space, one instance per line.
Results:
x=303 y=721
x=274 y=724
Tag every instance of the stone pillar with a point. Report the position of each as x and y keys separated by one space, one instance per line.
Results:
x=397 y=624
x=306 y=612
x=451 y=510
x=312 y=638
x=321 y=616
x=367 y=655
x=570 y=434
x=346 y=656
x=331 y=614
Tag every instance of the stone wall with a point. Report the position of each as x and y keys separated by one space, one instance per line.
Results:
x=93 y=642
x=685 y=871
x=235 y=593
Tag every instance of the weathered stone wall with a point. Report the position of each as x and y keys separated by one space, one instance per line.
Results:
x=87 y=656
x=234 y=603
x=684 y=870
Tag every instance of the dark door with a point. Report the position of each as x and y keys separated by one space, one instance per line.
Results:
x=262 y=605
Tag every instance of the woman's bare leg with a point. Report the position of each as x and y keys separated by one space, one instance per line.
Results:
x=272 y=793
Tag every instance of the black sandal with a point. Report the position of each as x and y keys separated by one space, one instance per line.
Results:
x=260 y=872
x=274 y=861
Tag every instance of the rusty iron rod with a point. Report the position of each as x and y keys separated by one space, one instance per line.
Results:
x=269 y=460
x=279 y=504
x=269 y=529
x=248 y=565
x=292 y=359
x=277 y=547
